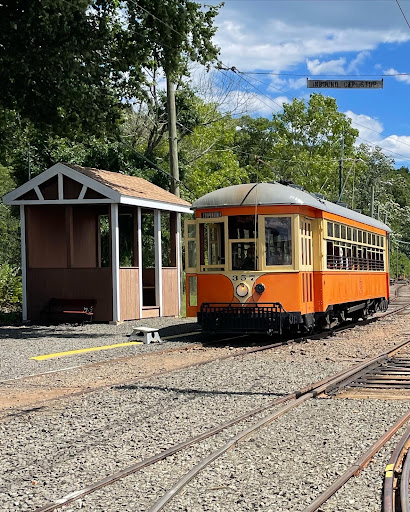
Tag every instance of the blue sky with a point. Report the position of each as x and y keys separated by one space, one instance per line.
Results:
x=296 y=39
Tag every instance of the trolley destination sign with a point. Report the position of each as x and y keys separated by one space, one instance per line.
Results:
x=344 y=84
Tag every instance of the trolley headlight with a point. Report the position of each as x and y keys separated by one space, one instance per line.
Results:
x=260 y=288
x=242 y=290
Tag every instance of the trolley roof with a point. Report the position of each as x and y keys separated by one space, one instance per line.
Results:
x=251 y=194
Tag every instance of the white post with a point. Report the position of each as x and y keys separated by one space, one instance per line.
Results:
x=60 y=186
x=115 y=263
x=139 y=240
x=23 y=261
x=178 y=248
x=158 y=260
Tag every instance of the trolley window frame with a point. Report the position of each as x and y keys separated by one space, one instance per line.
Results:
x=375 y=251
x=189 y=240
x=293 y=267
x=209 y=267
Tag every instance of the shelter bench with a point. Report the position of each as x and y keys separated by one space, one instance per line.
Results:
x=62 y=309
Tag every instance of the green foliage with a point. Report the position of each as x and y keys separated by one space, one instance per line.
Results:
x=311 y=138
x=207 y=157
x=9 y=224
x=61 y=62
x=399 y=264
x=172 y=33
x=11 y=291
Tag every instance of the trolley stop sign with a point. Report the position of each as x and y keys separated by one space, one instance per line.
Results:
x=344 y=84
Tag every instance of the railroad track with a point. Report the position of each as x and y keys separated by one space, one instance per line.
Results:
x=75 y=391
x=280 y=407
x=397 y=304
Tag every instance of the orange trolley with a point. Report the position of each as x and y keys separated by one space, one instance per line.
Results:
x=270 y=257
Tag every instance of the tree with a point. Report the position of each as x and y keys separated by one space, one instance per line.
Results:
x=9 y=224
x=62 y=63
x=179 y=31
x=311 y=139
x=208 y=160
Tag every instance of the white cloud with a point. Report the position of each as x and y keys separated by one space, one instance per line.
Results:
x=336 y=67
x=399 y=78
x=245 y=102
x=279 y=46
x=398 y=146
x=369 y=128
x=358 y=61
x=280 y=84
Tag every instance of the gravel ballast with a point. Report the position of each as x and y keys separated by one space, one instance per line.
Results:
x=57 y=449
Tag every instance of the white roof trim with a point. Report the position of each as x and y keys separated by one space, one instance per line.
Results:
x=39 y=194
x=109 y=193
x=31 y=202
x=157 y=205
x=111 y=196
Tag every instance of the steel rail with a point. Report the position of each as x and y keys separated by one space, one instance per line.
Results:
x=358 y=465
x=89 y=390
x=340 y=328
x=392 y=471
x=129 y=382
x=179 y=447
x=182 y=482
x=405 y=481
x=390 y=475
x=105 y=362
x=176 y=448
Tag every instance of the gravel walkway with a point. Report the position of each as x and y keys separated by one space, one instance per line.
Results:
x=47 y=453
x=19 y=344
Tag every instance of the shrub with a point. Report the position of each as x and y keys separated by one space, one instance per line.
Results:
x=11 y=288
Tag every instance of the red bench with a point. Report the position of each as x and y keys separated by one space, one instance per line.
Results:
x=64 y=309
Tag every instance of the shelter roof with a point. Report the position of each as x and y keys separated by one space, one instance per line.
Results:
x=251 y=194
x=131 y=186
x=72 y=184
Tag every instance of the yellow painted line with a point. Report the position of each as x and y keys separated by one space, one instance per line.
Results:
x=82 y=350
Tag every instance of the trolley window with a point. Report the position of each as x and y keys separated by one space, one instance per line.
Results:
x=242 y=227
x=190 y=246
x=243 y=256
x=212 y=246
x=278 y=240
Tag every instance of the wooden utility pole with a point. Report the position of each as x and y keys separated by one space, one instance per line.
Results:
x=372 y=201
x=172 y=137
x=341 y=168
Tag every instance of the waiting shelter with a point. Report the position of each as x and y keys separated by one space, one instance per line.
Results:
x=99 y=235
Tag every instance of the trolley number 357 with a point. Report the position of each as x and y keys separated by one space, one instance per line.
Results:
x=243 y=277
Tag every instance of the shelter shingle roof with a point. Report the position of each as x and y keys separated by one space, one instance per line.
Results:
x=130 y=186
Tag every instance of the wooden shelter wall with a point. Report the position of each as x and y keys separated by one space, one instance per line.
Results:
x=129 y=293
x=62 y=236
x=84 y=236
x=170 y=291
x=69 y=283
x=46 y=237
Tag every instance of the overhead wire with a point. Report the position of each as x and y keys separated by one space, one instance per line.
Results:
x=306 y=75
x=355 y=123
x=240 y=73
x=403 y=159
x=404 y=16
